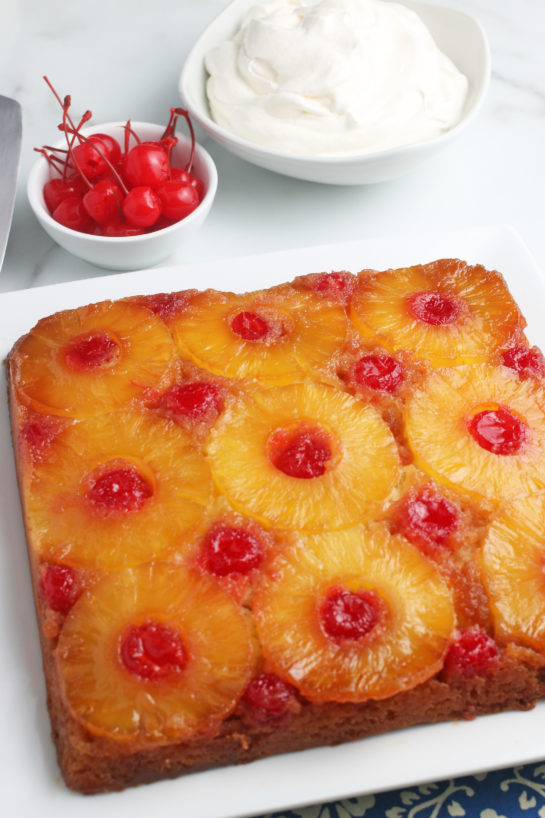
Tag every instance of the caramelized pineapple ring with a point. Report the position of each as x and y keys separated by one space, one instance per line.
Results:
x=446 y=312
x=403 y=641
x=154 y=654
x=513 y=560
x=92 y=360
x=118 y=489
x=303 y=457
x=481 y=429
x=271 y=338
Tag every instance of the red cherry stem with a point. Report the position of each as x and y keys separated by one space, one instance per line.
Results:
x=64 y=105
x=77 y=135
x=69 y=156
x=53 y=161
x=65 y=164
x=168 y=143
x=68 y=127
x=128 y=133
x=170 y=130
x=70 y=142
x=85 y=118
x=53 y=149
x=185 y=114
x=171 y=125
x=127 y=130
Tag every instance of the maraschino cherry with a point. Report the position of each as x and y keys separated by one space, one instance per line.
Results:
x=103 y=188
x=427 y=519
x=498 y=431
x=527 y=362
x=349 y=615
x=301 y=453
x=152 y=651
x=472 y=653
x=270 y=698
x=59 y=587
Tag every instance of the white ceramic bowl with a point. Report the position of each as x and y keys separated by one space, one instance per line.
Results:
x=134 y=252
x=456 y=33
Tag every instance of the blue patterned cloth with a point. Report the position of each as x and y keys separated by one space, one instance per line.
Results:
x=511 y=793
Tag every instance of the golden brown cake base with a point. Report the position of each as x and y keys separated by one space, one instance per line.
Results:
x=92 y=766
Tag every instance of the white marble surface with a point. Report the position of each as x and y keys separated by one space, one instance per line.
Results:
x=122 y=59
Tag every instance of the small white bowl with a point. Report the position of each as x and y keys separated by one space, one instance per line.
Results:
x=132 y=252
x=457 y=34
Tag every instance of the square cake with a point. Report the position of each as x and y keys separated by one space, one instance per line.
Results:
x=265 y=522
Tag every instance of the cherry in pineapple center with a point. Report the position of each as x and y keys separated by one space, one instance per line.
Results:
x=119 y=489
x=90 y=351
x=436 y=308
x=498 y=430
x=349 y=615
x=303 y=452
x=152 y=651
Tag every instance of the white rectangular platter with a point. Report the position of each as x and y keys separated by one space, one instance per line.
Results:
x=30 y=782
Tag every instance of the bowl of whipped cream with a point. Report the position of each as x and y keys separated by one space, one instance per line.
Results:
x=336 y=91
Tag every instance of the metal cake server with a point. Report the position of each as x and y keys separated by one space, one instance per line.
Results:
x=11 y=129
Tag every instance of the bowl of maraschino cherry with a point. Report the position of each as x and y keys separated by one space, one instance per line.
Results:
x=122 y=195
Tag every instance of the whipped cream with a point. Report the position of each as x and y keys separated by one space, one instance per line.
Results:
x=330 y=77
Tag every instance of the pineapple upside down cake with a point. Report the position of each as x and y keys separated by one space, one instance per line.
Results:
x=263 y=522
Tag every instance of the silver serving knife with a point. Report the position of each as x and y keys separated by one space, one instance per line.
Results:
x=11 y=129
